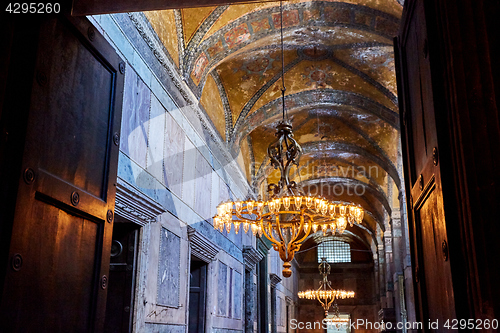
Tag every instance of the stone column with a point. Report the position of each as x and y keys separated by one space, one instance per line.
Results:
x=398 y=267
x=381 y=274
x=275 y=279
x=389 y=267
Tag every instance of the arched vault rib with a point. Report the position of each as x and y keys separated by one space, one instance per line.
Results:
x=386 y=30
x=379 y=195
x=333 y=114
x=311 y=99
x=192 y=46
x=248 y=106
x=372 y=211
x=385 y=163
x=368 y=79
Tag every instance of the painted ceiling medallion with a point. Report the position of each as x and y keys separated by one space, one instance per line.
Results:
x=259 y=66
x=318 y=76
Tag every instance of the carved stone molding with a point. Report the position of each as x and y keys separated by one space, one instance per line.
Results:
x=289 y=300
x=155 y=45
x=251 y=257
x=275 y=279
x=134 y=206
x=201 y=247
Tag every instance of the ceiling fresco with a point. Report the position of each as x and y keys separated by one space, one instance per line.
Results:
x=340 y=83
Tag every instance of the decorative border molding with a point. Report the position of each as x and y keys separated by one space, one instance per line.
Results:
x=275 y=279
x=180 y=38
x=251 y=257
x=201 y=247
x=155 y=45
x=228 y=115
x=135 y=206
x=200 y=33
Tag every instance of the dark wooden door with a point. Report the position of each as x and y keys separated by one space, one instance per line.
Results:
x=197 y=296
x=122 y=272
x=434 y=290
x=58 y=260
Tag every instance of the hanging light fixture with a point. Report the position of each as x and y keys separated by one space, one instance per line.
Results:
x=325 y=294
x=287 y=217
x=335 y=319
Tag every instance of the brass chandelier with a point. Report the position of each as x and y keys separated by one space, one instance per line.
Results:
x=325 y=294
x=336 y=320
x=288 y=216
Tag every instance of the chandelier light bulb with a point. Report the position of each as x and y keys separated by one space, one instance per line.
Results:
x=309 y=201
x=250 y=205
x=286 y=202
x=298 y=202
x=239 y=206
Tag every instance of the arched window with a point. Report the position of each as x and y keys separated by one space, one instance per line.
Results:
x=334 y=251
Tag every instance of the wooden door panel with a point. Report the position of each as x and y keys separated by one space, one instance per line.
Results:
x=61 y=250
x=433 y=263
x=61 y=234
x=421 y=127
x=428 y=228
x=76 y=114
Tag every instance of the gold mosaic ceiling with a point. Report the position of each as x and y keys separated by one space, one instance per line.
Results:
x=340 y=89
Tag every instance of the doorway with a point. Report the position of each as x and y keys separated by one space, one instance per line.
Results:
x=122 y=273
x=197 y=296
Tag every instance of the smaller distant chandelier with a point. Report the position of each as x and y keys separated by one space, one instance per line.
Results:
x=325 y=294
x=336 y=320
x=287 y=217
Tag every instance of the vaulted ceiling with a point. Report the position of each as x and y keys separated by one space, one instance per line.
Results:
x=340 y=90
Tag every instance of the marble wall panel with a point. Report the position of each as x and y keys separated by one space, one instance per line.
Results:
x=224 y=192
x=156 y=139
x=222 y=290
x=188 y=173
x=173 y=160
x=203 y=186
x=135 y=116
x=237 y=295
x=225 y=330
x=215 y=194
x=169 y=262
x=162 y=328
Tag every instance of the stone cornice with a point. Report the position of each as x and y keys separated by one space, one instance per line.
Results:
x=251 y=257
x=275 y=279
x=201 y=247
x=132 y=205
